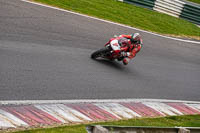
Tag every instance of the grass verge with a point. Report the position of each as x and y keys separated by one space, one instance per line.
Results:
x=195 y=1
x=172 y=121
x=131 y=15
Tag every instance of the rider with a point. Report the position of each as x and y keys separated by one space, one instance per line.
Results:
x=130 y=45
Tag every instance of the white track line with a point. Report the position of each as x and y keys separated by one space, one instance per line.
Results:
x=27 y=102
x=189 y=41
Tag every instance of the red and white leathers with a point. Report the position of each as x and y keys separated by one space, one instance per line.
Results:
x=129 y=48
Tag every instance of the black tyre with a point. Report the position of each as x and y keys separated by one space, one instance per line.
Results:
x=99 y=53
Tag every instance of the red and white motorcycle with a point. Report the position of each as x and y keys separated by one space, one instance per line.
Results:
x=112 y=50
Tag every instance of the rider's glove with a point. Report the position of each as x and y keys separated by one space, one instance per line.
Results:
x=124 y=54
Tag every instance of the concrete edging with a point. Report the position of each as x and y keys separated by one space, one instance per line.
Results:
x=139 y=129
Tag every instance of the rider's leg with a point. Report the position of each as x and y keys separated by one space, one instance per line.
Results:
x=126 y=60
x=131 y=55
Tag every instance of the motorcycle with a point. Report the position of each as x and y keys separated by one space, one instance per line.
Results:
x=112 y=50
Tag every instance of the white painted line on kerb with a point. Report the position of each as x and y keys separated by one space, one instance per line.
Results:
x=63 y=113
x=189 y=41
x=163 y=108
x=118 y=110
x=28 y=102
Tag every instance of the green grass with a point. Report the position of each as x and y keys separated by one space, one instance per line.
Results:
x=131 y=15
x=195 y=1
x=172 y=121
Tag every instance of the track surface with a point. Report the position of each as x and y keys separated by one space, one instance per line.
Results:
x=45 y=54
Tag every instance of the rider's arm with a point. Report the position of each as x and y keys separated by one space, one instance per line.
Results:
x=135 y=51
x=126 y=36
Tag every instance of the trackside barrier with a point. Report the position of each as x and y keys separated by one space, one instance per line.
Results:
x=144 y=3
x=191 y=12
x=177 y=8
x=128 y=129
x=169 y=7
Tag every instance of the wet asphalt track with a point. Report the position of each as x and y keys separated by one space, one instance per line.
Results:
x=45 y=54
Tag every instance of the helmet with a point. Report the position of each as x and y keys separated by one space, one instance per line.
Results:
x=135 y=38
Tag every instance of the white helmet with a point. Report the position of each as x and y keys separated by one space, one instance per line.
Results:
x=135 y=38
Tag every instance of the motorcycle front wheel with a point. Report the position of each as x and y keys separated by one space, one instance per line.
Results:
x=100 y=53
